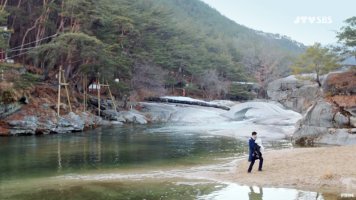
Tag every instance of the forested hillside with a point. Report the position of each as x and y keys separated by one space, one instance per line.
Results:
x=154 y=47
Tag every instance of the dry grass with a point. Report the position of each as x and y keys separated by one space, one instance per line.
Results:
x=343 y=100
x=6 y=86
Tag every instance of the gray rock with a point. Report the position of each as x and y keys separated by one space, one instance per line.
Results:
x=132 y=117
x=341 y=120
x=45 y=106
x=9 y=109
x=338 y=137
x=353 y=131
x=104 y=123
x=293 y=93
x=158 y=112
x=317 y=126
x=104 y=103
x=116 y=123
x=320 y=115
x=90 y=120
x=353 y=121
x=112 y=115
x=315 y=123
x=46 y=127
x=26 y=126
x=307 y=135
x=69 y=123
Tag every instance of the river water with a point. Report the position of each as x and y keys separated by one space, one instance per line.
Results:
x=130 y=162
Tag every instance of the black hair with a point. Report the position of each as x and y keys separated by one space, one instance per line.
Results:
x=254 y=133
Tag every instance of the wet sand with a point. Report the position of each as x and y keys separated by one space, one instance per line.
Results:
x=325 y=169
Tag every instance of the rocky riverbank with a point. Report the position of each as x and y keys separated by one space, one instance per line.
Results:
x=270 y=119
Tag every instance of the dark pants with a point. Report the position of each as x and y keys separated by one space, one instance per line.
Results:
x=253 y=162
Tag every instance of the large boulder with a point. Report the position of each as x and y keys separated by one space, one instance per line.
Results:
x=324 y=122
x=339 y=137
x=112 y=115
x=320 y=115
x=90 y=120
x=294 y=93
x=69 y=123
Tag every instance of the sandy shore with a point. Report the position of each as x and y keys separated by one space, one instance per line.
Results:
x=325 y=168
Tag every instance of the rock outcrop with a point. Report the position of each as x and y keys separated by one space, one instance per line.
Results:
x=329 y=113
x=32 y=125
x=325 y=123
x=297 y=94
x=69 y=123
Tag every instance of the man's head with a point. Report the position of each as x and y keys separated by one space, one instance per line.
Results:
x=254 y=135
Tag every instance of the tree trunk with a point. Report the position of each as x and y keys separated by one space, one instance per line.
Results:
x=318 y=79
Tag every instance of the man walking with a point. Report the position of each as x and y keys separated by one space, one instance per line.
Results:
x=254 y=153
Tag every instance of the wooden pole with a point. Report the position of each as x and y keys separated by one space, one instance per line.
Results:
x=59 y=90
x=112 y=98
x=98 y=87
x=84 y=91
x=67 y=92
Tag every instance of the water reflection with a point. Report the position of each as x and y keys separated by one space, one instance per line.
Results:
x=122 y=148
x=127 y=147
x=252 y=195
x=235 y=191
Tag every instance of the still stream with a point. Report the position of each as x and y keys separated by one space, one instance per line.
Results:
x=131 y=162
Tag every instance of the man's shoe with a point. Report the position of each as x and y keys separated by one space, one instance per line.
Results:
x=260 y=170
x=249 y=172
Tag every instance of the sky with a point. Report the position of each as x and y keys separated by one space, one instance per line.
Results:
x=306 y=21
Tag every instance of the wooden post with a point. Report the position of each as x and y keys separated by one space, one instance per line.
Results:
x=60 y=84
x=85 y=92
x=59 y=90
x=67 y=92
x=98 y=87
x=112 y=98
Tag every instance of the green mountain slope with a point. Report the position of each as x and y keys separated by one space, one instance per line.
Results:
x=154 y=46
